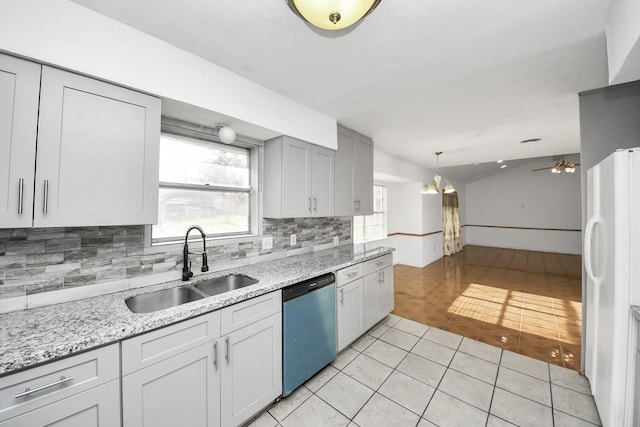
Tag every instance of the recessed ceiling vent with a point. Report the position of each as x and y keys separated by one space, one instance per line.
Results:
x=527 y=141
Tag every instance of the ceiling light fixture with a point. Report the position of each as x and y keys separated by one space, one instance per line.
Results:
x=563 y=166
x=434 y=187
x=332 y=14
x=226 y=133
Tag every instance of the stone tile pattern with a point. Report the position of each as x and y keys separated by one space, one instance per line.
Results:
x=48 y=259
x=385 y=380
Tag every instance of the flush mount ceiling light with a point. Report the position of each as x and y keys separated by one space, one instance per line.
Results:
x=332 y=14
x=434 y=187
x=226 y=133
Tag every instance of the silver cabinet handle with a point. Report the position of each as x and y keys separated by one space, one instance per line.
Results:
x=309 y=204
x=379 y=263
x=355 y=205
x=45 y=203
x=341 y=296
x=358 y=205
x=20 y=195
x=227 y=351
x=315 y=204
x=352 y=274
x=215 y=355
x=29 y=391
x=380 y=277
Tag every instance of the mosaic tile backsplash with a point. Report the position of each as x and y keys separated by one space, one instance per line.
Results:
x=35 y=260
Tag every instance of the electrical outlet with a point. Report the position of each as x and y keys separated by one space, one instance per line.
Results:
x=292 y=240
x=336 y=240
x=267 y=242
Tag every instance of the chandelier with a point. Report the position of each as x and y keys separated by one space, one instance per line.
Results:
x=434 y=187
x=563 y=166
x=332 y=14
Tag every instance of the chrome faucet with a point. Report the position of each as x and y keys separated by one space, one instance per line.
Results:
x=186 y=264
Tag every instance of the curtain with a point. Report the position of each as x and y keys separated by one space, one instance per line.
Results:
x=451 y=231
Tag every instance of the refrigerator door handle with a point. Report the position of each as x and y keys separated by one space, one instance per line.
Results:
x=588 y=235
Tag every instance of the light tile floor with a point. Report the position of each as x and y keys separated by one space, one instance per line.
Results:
x=403 y=373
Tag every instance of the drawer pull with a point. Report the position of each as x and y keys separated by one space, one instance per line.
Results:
x=20 y=195
x=353 y=273
x=29 y=391
x=379 y=263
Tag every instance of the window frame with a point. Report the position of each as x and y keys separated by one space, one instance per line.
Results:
x=255 y=148
x=385 y=216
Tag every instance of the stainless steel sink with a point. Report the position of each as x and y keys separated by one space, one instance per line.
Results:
x=224 y=284
x=159 y=300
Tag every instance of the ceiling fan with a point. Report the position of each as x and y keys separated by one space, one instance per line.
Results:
x=561 y=166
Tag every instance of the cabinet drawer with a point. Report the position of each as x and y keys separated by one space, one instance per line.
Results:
x=152 y=347
x=349 y=274
x=250 y=311
x=378 y=264
x=57 y=380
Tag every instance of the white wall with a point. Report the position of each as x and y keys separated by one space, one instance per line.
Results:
x=70 y=36
x=623 y=41
x=524 y=199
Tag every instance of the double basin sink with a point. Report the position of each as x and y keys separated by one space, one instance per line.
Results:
x=172 y=297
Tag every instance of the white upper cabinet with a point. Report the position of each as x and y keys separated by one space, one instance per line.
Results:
x=298 y=179
x=354 y=174
x=97 y=153
x=19 y=90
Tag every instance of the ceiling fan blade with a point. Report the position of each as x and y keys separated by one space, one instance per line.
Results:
x=541 y=169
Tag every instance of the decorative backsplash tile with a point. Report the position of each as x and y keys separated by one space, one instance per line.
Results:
x=48 y=259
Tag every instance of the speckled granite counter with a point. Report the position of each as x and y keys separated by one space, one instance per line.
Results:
x=635 y=310
x=39 y=335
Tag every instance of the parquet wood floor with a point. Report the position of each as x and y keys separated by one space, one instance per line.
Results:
x=524 y=301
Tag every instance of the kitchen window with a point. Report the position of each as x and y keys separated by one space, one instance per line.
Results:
x=206 y=183
x=372 y=227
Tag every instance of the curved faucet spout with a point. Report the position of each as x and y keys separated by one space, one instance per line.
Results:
x=186 y=265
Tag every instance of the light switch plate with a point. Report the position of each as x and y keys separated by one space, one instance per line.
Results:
x=336 y=240
x=292 y=239
x=267 y=242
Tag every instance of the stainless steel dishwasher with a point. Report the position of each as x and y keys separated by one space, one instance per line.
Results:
x=308 y=329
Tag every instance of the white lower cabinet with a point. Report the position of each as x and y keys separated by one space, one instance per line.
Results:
x=378 y=290
x=218 y=369
x=82 y=390
x=350 y=313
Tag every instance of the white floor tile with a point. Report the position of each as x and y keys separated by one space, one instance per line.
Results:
x=434 y=351
x=411 y=327
x=524 y=385
x=494 y=421
x=519 y=410
x=565 y=420
x=382 y=412
x=447 y=411
x=264 y=420
x=344 y=358
x=321 y=378
x=288 y=404
x=525 y=364
x=422 y=369
x=364 y=342
x=467 y=389
x=475 y=367
x=406 y=391
x=443 y=337
x=315 y=412
x=388 y=354
x=425 y=423
x=400 y=339
x=392 y=320
x=345 y=394
x=570 y=379
x=574 y=403
x=481 y=350
x=379 y=330
x=368 y=371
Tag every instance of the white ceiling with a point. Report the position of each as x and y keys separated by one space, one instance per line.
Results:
x=470 y=78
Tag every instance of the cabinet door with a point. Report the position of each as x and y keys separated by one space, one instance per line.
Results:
x=322 y=181
x=363 y=175
x=386 y=295
x=19 y=91
x=97 y=407
x=296 y=184
x=251 y=369
x=97 y=158
x=350 y=313
x=183 y=390
x=371 y=285
x=344 y=200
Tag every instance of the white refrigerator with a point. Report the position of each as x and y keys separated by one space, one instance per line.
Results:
x=612 y=258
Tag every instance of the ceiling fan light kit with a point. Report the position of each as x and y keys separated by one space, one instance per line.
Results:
x=563 y=166
x=332 y=14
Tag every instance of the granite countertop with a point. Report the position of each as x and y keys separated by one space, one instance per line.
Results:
x=635 y=311
x=39 y=335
